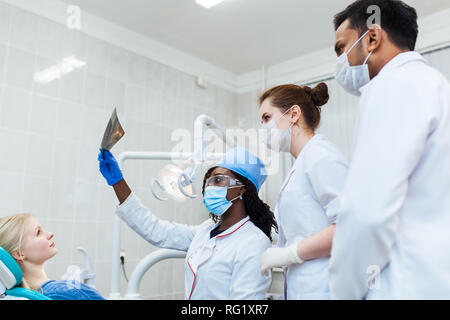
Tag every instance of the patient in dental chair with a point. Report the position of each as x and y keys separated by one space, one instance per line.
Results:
x=31 y=246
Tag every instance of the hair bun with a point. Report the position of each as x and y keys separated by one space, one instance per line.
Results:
x=307 y=89
x=319 y=94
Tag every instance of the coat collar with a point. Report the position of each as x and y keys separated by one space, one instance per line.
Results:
x=401 y=59
x=233 y=228
x=396 y=62
x=300 y=157
x=317 y=136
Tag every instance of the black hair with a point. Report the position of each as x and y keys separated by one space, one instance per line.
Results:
x=397 y=18
x=258 y=211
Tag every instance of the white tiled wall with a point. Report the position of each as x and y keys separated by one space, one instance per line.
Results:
x=50 y=135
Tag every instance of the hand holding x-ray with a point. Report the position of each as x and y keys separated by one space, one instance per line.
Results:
x=113 y=133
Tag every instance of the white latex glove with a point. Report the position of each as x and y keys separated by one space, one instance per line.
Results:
x=279 y=257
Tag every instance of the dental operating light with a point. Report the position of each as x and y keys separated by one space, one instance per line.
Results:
x=208 y=3
x=167 y=186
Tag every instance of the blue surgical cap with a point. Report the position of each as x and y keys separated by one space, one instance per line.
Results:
x=241 y=161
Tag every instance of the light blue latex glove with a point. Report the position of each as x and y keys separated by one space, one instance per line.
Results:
x=109 y=167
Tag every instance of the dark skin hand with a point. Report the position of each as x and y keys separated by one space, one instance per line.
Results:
x=122 y=190
x=233 y=215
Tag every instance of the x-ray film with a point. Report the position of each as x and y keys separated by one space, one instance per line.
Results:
x=113 y=133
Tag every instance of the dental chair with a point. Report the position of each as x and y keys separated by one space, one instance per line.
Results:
x=10 y=277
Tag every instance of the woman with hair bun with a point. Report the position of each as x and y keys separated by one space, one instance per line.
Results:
x=307 y=205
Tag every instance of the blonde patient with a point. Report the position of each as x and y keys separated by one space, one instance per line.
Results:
x=23 y=237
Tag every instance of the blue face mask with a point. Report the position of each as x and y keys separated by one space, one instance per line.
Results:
x=215 y=200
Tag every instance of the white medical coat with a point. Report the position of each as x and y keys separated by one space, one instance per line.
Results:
x=307 y=204
x=395 y=214
x=226 y=267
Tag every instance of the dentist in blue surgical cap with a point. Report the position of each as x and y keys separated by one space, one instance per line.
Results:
x=223 y=253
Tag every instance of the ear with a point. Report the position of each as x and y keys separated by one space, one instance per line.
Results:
x=242 y=190
x=17 y=256
x=296 y=113
x=375 y=37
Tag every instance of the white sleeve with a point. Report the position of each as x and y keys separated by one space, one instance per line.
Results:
x=160 y=233
x=247 y=282
x=394 y=125
x=327 y=177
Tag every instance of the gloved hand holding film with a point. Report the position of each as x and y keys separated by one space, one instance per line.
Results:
x=279 y=257
x=109 y=167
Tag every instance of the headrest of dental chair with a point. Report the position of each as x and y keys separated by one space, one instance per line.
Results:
x=11 y=276
x=10 y=272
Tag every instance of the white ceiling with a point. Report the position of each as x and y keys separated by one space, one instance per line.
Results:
x=237 y=35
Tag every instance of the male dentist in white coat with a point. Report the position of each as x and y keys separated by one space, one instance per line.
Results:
x=392 y=238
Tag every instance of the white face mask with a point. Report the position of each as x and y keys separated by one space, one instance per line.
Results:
x=276 y=139
x=352 y=78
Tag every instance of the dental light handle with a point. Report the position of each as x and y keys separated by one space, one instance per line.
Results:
x=155 y=183
x=185 y=179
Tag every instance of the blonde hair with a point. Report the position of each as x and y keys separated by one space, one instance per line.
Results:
x=12 y=229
